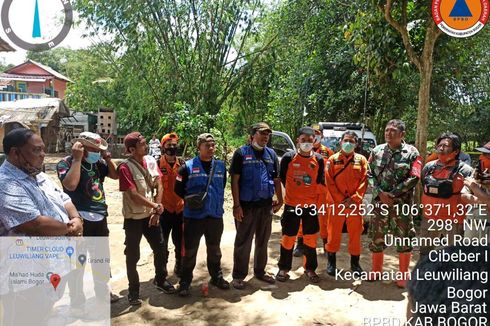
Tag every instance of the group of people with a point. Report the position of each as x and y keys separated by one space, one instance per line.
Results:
x=184 y=200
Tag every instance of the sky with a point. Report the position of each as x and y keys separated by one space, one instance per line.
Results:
x=21 y=18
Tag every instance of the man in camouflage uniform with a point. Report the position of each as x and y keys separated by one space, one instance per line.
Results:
x=394 y=171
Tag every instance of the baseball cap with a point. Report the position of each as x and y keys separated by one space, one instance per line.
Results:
x=202 y=138
x=132 y=139
x=306 y=131
x=485 y=149
x=169 y=136
x=260 y=126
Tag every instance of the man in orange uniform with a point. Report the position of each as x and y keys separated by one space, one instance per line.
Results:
x=347 y=183
x=322 y=197
x=171 y=218
x=301 y=172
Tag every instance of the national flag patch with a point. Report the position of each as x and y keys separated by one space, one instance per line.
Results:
x=417 y=167
x=248 y=157
x=195 y=170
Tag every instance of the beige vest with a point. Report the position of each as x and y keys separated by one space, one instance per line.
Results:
x=130 y=209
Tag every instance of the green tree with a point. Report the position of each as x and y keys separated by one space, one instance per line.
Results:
x=188 y=52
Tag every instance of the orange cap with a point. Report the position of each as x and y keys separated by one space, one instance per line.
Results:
x=169 y=136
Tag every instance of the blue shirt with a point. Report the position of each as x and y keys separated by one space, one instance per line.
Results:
x=23 y=198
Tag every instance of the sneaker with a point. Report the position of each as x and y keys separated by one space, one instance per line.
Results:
x=220 y=283
x=238 y=284
x=164 y=286
x=265 y=278
x=312 y=276
x=282 y=276
x=184 y=290
x=114 y=298
x=134 y=300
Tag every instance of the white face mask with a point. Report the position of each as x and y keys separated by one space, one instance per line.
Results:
x=306 y=147
x=257 y=146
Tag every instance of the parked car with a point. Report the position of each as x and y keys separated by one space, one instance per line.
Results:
x=281 y=143
x=332 y=131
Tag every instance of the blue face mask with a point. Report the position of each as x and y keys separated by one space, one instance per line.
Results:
x=92 y=157
x=348 y=147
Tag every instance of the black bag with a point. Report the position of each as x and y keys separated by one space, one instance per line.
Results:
x=195 y=202
x=439 y=188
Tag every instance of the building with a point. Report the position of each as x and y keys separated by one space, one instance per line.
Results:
x=32 y=79
x=79 y=122
x=5 y=47
x=107 y=125
x=41 y=115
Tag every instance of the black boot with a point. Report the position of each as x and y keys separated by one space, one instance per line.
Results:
x=354 y=265
x=299 y=250
x=325 y=247
x=332 y=263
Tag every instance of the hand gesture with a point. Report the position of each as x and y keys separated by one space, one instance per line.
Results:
x=77 y=151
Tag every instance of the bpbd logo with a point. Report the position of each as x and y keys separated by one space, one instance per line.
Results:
x=36 y=25
x=460 y=18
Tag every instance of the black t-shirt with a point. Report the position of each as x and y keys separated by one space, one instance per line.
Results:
x=236 y=168
x=184 y=173
x=89 y=195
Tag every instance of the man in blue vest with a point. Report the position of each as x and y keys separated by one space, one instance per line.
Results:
x=201 y=183
x=254 y=180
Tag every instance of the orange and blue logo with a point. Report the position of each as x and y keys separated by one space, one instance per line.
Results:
x=460 y=18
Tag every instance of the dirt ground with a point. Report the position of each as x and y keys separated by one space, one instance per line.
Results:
x=296 y=302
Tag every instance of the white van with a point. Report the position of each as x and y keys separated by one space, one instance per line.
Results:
x=332 y=131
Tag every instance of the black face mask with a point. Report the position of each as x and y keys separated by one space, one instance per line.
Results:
x=28 y=168
x=171 y=151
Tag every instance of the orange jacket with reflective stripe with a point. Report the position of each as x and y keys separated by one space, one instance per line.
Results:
x=170 y=201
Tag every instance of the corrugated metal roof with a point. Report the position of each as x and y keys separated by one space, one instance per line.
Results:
x=31 y=111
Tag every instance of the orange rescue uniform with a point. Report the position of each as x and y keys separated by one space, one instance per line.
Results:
x=446 y=208
x=301 y=177
x=170 y=201
x=346 y=178
x=322 y=198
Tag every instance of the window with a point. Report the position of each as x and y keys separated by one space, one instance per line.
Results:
x=103 y=131
x=102 y=117
x=110 y=117
x=280 y=144
x=101 y=124
x=109 y=125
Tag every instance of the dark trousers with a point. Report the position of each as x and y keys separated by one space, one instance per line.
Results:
x=290 y=225
x=172 y=222
x=194 y=229
x=95 y=229
x=134 y=230
x=256 y=221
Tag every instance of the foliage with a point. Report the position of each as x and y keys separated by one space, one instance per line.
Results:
x=219 y=66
